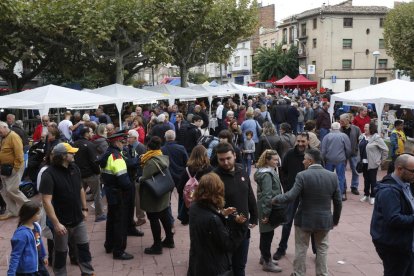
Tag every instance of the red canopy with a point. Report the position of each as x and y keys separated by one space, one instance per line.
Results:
x=284 y=81
x=301 y=80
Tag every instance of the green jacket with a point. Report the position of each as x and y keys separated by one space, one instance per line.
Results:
x=149 y=202
x=268 y=186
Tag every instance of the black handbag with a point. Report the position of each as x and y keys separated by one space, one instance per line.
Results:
x=278 y=215
x=359 y=167
x=6 y=169
x=161 y=183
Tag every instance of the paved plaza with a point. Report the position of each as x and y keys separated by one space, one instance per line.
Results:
x=351 y=251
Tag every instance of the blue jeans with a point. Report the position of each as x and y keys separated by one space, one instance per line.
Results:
x=353 y=160
x=340 y=172
x=322 y=133
x=239 y=258
x=277 y=126
x=300 y=127
x=247 y=165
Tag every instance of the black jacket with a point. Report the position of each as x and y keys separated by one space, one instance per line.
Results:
x=392 y=219
x=211 y=241
x=181 y=132
x=272 y=142
x=292 y=164
x=178 y=159
x=292 y=117
x=192 y=136
x=279 y=113
x=86 y=157
x=204 y=117
x=159 y=130
x=239 y=192
x=22 y=134
x=239 y=156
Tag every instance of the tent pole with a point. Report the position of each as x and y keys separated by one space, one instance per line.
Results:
x=120 y=121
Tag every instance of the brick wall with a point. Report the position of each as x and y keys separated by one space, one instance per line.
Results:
x=266 y=20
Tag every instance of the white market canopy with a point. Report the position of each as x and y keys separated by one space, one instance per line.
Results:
x=390 y=92
x=177 y=93
x=218 y=91
x=123 y=93
x=245 y=89
x=52 y=96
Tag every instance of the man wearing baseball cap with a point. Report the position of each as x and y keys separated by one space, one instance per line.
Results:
x=65 y=203
x=118 y=188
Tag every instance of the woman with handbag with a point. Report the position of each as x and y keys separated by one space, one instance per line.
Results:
x=213 y=238
x=197 y=165
x=373 y=151
x=154 y=163
x=268 y=186
x=268 y=140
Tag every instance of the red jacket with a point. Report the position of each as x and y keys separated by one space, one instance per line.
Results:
x=37 y=134
x=361 y=122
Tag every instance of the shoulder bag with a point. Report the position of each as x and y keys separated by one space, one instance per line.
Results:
x=278 y=215
x=160 y=183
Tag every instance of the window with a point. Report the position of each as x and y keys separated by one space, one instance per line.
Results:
x=245 y=61
x=381 y=44
x=303 y=29
x=381 y=22
x=346 y=63
x=347 y=85
x=348 y=22
x=236 y=61
x=314 y=62
x=314 y=43
x=347 y=43
x=291 y=35
x=244 y=45
x=382 y=63
x=284 y=38
x=315 y=23
x=265 y=43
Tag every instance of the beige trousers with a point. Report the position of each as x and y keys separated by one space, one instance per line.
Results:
x=11 y=194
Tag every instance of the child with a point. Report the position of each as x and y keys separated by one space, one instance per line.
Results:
x=248 y=152
x=28 y=256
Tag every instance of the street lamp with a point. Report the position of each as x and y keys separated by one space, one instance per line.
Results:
x=376 y=54
x=306 y=55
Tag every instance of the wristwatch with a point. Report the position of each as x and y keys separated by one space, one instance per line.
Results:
x=85 y=209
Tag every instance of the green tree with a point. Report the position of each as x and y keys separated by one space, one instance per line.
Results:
x=276 y=62
x=22 y=42
x=203 y=31
x=399 y=36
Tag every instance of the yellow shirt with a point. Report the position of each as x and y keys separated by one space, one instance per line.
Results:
x=401 y=141
x=11 y=150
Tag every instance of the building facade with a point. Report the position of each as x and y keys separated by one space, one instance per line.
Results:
x=339 y=41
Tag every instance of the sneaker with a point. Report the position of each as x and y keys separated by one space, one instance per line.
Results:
x=271 y=267
x=124 y=256
x=354 y=191
x=100 y=218
x=372 y=200
x=261 y=261
x=364 y=199
x=6 y=216
x=278 y=255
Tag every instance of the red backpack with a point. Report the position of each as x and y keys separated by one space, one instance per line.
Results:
x=189 y=189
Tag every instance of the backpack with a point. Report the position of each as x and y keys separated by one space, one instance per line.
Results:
x=205 y=140
x=189 y=188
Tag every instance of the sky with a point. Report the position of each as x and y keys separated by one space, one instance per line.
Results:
x=286 y=8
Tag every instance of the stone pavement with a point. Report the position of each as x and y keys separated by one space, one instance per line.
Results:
x=351 y=251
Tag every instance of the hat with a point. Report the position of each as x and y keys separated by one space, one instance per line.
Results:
x=64 y=148
x=117 y=136
x=161 y=118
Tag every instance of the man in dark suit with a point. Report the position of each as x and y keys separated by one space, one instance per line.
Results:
x=317 y=187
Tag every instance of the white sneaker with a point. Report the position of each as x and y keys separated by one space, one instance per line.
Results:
x=364 y=199
x=372 y=200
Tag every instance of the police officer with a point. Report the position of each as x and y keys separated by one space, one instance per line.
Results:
x=117 y=188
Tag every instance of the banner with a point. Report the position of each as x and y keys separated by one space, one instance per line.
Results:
x=302 y=71
x=311 y=69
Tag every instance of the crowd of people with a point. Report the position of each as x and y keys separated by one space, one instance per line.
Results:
x=291 y=142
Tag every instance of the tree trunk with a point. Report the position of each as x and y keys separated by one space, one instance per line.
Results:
x=15 y=84
x=184 y=75
x=119 y=65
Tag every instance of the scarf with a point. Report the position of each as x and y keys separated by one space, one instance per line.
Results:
x=148 y=155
